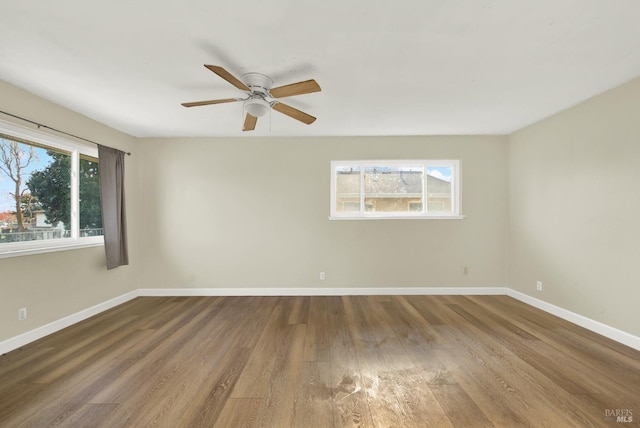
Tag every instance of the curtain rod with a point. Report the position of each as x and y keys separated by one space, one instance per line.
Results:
x=39 y=125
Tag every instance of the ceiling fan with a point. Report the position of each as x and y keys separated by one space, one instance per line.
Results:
x=261 y=97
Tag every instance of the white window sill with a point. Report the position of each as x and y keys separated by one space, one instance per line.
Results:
x=399 y=217
x=39 y=247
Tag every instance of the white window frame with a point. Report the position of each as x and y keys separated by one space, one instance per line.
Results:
x=368 y=215
x=74 y=241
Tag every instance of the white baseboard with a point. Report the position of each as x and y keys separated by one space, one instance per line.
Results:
x=595 y=326
x=52 y=327
x=342 y=291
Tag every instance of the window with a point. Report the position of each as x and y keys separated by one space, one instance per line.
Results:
x=49 y=193
x=395 y=189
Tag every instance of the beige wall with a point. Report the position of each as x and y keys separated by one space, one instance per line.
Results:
x=253 y=212
x=59 y=284
x=574 y=209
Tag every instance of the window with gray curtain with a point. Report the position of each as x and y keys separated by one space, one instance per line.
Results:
x=114 y=219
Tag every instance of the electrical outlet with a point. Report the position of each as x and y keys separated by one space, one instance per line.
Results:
x=22 y=314
x=539 y=285
x=323 y=276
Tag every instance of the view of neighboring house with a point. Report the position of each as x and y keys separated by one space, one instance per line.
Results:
x=391 y=191
x=37 y=228
x=6 y=220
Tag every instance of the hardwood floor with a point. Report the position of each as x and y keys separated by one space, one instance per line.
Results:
x=383 y=361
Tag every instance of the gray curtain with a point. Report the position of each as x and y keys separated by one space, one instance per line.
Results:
x=114 y=219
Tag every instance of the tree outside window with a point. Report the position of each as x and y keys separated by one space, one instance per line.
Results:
x=35 y=192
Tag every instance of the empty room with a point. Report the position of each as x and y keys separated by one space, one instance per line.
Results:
x=319 y=214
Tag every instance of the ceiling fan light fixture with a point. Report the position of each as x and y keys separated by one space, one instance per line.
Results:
x=257 y=107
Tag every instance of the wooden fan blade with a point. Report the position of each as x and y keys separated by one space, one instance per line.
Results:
x=306 y=87
x=206 y=103
x=228 y=77
x=249 y=123
x=294 y=113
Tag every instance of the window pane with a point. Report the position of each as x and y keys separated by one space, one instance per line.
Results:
x=90 y=211
x=439 y=194
x=35 y=197
x=347 y=189
x=393 y=189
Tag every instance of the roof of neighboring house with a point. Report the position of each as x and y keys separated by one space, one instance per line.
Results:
x=401 y=182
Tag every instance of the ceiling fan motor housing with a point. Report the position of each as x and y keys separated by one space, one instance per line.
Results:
x=258 y=83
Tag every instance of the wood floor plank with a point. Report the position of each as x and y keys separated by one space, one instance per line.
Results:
x=460 y=409
x=314 y=405
x=479 y=386
x=488 y=368
x=514 y=393
x=597 y=352
x=336 y=361
x=21 y=358
x=411 y=366
x=194 y=395
x=240 y=412
x=45 y=370
x=86 y=415
x=210 y=395
x=547 y=358
x=148 y=368
x=18 y=400
x=300 y=311
x=17 y=365
x=84 y=385
x=241 y=320
x=350 y=403
x=411 y=386
x=76 y=357
x=410 y=324
x=599 y=404
x=278 y=406
x=319 y=335
x=397 y=392
x=275 y=340
x=526 y=387
x=71 y=393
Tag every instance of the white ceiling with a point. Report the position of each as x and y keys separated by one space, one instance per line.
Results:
x=404 y=67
